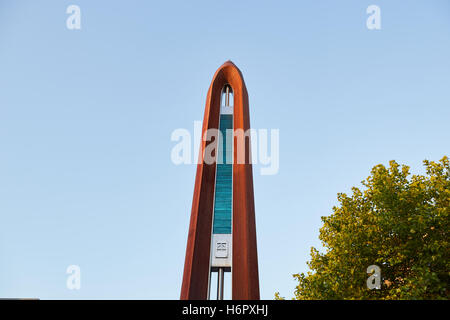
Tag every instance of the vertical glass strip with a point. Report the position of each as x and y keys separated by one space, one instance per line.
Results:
x=224 y=176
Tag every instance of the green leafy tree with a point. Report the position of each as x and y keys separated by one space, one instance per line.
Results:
x=399 y=223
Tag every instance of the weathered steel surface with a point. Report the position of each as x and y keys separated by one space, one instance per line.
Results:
x=245 y=280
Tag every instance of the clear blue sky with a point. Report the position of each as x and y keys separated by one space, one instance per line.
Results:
x=86 y=117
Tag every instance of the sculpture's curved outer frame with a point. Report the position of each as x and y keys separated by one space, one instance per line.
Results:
x=245 y=280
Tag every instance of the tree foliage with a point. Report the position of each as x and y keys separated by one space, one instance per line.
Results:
x=399 y=223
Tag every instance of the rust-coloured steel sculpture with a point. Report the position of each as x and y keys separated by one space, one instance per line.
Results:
x=244 y=259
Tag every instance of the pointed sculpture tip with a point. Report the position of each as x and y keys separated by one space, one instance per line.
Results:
x=229 y=62
x=227 y=65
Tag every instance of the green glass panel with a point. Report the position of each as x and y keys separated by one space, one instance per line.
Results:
x=224 y=178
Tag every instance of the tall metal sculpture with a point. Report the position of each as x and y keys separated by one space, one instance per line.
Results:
x=222 y=233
